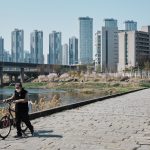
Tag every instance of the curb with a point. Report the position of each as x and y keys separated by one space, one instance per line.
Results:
x=75 y=105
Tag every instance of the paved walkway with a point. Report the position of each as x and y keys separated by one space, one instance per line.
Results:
x=121 y=123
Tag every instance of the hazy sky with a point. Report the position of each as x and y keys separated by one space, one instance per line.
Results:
x=62 y=15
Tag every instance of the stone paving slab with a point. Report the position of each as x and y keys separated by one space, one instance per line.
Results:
x=121 y=123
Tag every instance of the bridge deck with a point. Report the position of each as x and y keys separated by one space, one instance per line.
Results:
x=121 y=123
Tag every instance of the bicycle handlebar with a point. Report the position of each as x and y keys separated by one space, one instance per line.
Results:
x=8 y=102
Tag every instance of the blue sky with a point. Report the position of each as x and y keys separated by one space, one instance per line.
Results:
x=62 y=15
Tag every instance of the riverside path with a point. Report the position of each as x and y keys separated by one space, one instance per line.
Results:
x=121 y=123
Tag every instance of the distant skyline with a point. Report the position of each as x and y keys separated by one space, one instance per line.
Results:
x=62 y=16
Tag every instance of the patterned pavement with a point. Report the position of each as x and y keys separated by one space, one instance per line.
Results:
x=121 y=123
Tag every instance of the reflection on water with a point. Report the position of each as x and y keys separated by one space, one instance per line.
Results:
x=34 y=94
x=66 y=97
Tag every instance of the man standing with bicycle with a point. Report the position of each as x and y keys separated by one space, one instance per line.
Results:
x=20 y=98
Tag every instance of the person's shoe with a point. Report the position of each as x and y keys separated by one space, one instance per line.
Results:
x=32 y=130
x=18 y=136
x=33 y=133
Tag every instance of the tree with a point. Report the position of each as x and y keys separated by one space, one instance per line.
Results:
x=147 y=68
x=98 y=68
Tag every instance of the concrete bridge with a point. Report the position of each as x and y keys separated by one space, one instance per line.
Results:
x=121 y=123
x=19 y=69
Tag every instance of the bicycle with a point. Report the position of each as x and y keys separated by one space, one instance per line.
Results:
x=8 y=120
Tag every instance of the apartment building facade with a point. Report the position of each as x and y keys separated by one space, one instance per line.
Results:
x=134 y=48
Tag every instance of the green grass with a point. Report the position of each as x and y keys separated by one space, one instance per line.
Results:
x=123 y=90
x=72 y=86
x=30 y=85
x=144 y=84
x=34 y=85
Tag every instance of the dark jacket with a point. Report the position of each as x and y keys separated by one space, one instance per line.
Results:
x=21 y=107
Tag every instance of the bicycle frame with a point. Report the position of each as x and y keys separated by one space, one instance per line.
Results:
x=11 y=115
x=11 y=119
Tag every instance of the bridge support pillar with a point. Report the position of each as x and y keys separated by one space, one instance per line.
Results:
x=10 y=78
x=1 y=76
x=22 y=75
x=16 y=78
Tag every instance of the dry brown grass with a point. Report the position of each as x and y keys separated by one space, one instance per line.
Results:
x=43 y=104
x=4 y=110
x=40 y=105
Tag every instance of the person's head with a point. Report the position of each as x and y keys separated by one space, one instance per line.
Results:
x=18 y=87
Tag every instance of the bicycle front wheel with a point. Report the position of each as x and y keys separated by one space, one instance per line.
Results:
x=5 y=126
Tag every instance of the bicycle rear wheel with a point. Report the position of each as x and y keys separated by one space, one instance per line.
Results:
x=5 y=126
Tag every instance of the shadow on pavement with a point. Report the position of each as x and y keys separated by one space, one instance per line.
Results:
x=46 y=133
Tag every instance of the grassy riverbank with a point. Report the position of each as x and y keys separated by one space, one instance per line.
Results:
x=86 y=90
x=97 y=87
x=90 y=85
x=30 y=85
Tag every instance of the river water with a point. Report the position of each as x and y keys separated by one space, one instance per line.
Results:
x=65 y=96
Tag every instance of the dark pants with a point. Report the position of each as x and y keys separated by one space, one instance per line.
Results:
x=23 y=117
